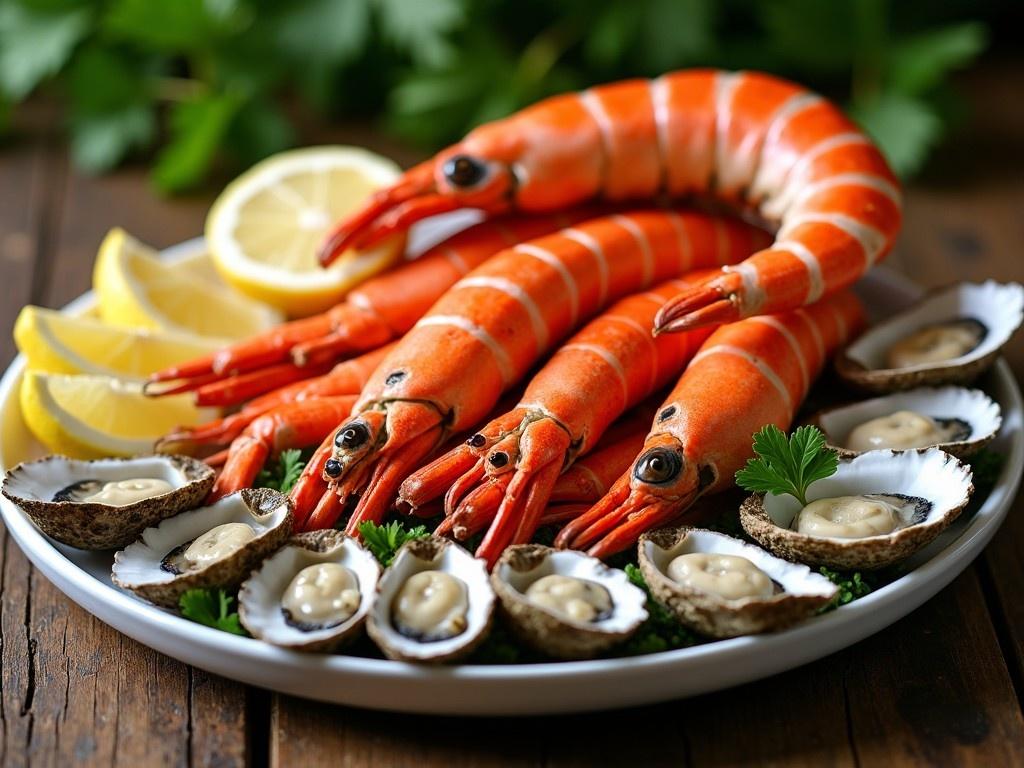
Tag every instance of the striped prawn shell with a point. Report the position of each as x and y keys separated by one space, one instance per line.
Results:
x=749 y=374
x=612 y=364
x=402 y=296
x=751 y=139
x=746 y=375
x=492 y=326
x=761 y=144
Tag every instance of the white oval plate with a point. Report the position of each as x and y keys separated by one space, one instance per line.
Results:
x=520 y=689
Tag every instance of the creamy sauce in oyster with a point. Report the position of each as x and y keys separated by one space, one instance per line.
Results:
x=121 y=493
x=117 y=493
x=936 y=343
x=858 y=517
x=729 y=576
x=431 y=606
x=902 y=430
x=216 y=544
x=321 y=595
x=571 y=598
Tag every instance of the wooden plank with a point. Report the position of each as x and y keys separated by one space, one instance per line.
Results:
x=934 y=689
x=309 y=733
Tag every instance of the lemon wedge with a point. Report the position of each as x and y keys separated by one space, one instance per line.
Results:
x=137 y=290
x=264 y=230
x=57 y=343
x=94 y=416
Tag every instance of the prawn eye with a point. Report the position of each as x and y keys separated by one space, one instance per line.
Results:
x=477 y=441
x=498 y=459
x=352 y=436
x=332 y=467
x=464 y=171
x=658 y=466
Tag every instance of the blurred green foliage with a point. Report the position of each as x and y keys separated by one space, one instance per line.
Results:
x=205 y=80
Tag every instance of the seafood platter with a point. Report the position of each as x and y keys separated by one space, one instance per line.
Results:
x=605 y=408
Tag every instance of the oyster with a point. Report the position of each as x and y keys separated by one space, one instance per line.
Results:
x=724 y=587
x=893 y=503
x=565 y=603
x=107 y=503
x=952 y=336
x=214 y=546
x=313 y=594
x=957 y=420
x=434 y=603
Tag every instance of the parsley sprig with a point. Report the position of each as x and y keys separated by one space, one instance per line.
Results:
x=282 y=474
x=211 y=607
x=851 y=586
x=787 y=466
x=384 y=541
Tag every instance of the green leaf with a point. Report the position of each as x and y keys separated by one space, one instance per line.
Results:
x=675 y=33
x=283 y=472
x=787 y=467
x=817 y=36
x=197 y=129
x=35 y=45
x=905 y=128
x=851 y=587
x=211 y=607
x=612 y=34
x=100 y=80
x=258 y=131
x=421 y=28
x=918 y=64
x=5 y=114
x=100 y=141
x=171 y=26
x=347 y=20
x=384 y=541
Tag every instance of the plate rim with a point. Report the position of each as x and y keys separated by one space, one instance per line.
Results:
x=851 y=622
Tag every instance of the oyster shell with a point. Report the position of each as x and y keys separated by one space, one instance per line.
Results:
x=50 y=490
x=929 y=474
x=463 y=632
x=260 y=598
x=148 y=567
x=798 y=592
x=968 y=418
x=997 y=307
x=552 y=632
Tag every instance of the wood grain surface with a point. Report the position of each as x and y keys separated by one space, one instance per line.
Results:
x=941 y=687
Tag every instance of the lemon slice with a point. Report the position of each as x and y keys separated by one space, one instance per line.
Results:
x=59 y=343
x=265 y=228
x=137 y=290
x=94 y=416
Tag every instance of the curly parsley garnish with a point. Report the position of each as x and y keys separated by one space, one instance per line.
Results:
x=384 y=541
x=211 y=607
x=787 y=466
x=851 y=586
x=284 y=473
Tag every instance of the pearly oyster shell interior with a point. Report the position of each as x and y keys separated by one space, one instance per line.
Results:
x=522 y=565
x=930 y=474
x=139 y=567
x=956 y=407
x=998 y=307
x=799 y=591
x=426 y=554
x=259 y=599
x=33 y=486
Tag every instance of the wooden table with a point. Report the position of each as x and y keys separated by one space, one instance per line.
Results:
x=943 y=686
